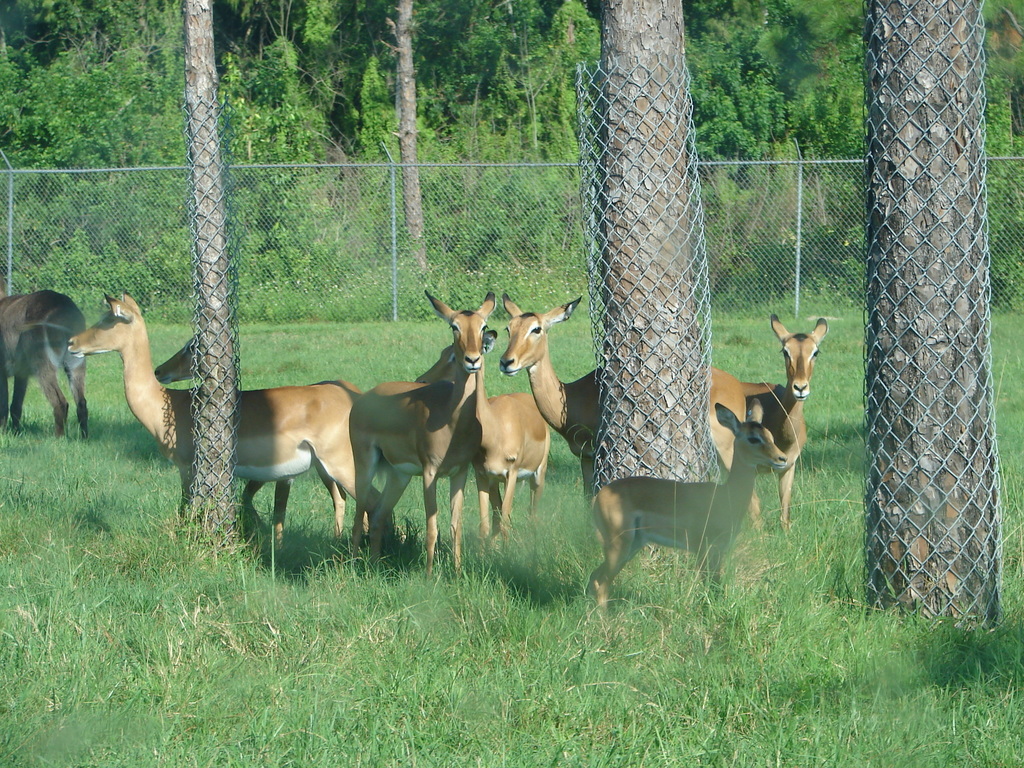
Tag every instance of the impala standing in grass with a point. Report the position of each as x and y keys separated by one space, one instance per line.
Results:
x=402 y=429
x=282 y=432
x=703 y=518
x=784 y=405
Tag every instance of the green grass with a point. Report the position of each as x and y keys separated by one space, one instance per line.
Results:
x=122 y=644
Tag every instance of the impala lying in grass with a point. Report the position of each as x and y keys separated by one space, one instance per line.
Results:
x=703 y=518
x=402 y=429
x=282 y=432
x=572 y=408
x=34 y=333
x=784 y=405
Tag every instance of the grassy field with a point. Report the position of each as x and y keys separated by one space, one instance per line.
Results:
x=124 y=645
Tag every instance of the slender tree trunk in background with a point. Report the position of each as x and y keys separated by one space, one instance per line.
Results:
x=407 y=133
x=656 y=348
x=214 y=401
x=932 y=485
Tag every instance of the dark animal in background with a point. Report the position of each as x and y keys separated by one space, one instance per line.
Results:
x=34 y=333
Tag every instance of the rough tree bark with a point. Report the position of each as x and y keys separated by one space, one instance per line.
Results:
x=932 y=485
x=214 y=401
x=407 y=133
x=655 y=381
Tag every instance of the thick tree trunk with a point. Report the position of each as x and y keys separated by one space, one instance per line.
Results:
x=655 y=381
x=932 y=486
x=407 y=133
x=214 y=401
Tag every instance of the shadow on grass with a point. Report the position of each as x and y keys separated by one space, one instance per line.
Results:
x=961 y=658
x=526 y=573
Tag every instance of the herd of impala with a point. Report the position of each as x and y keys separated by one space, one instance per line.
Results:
x=440 y=425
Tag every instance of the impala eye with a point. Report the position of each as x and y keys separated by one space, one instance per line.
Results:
x=535 y=329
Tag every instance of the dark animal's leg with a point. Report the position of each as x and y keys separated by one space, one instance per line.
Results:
x=51 y=388
x=3 y=399
x=75 y=370
x=17 y=401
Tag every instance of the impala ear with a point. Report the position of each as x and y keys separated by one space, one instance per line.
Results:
x=779 y=329
x=488 y=306
x=490 y=337
x=440 y=308
x=727 y=418
x=755 y=411
x=510 y=306
x=560 y=314
x=820 y=329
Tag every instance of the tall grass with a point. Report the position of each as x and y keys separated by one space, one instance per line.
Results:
x=122 y=644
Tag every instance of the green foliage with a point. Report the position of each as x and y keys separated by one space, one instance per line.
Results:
x=99 y=83
x=378 y=123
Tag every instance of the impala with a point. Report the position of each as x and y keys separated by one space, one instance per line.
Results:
x=402 y=429
x=34 y=333
x=514 y=445
x=572 y=408
x=281 y=431
x=784 y=405
x=703 y=518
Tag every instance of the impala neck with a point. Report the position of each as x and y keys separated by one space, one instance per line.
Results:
x=147 y=399
x=483 y=407
x=548 y=392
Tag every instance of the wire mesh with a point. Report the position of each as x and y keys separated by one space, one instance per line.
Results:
x=933 y=520
x=314 y=242
x=648 y=268
x=215 y=399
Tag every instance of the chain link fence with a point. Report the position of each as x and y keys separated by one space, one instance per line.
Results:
x=326 y=242
x=932 y=483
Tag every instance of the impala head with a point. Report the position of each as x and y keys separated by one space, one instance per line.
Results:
x=445 y=367
x=800 y=350
x=113 y=330
x=755 y=445
x=469 y=331
x=528 y=335
x=179 y=366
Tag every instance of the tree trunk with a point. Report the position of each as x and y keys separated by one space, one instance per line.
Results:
x=655 y=381
x=214 y=401
x=932 y=485
x=407 y=133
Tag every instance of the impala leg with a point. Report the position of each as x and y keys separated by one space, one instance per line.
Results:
x=786 y=478
x=587 y=468
x=536 y=491
x=394 y=486
x=252 y=517
x=337 y=498
x=483 y=489
x=618 y=551
x=430 y=510
x=457 y=486
x=755 y=510
x=619 y=542
x=365 y=467
x=506 y=503
x=281 y=491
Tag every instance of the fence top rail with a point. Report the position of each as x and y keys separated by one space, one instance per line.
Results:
x=284 y=166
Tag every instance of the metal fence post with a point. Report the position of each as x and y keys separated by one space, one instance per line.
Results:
x=10 y=223
x=799 y=224
x=394 y=237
